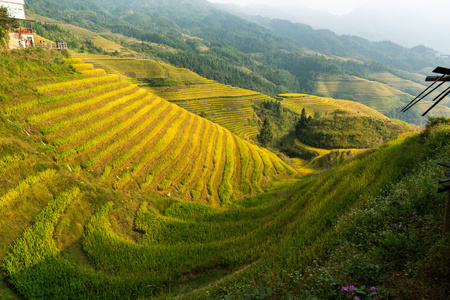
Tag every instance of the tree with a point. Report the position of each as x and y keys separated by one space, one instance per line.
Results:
x=265 y=136
x=5 y=24
x=302 y=123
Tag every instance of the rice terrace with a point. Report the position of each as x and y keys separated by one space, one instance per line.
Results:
x=152 y=161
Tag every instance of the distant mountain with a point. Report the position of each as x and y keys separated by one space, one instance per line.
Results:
x=409 y=24
x=330 y=43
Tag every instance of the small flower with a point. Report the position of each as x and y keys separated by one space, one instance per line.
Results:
x=345 y=288
x=351 y=288
x=356 y=298
x=373 y=289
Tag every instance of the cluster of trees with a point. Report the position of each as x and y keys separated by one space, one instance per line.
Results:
x=340 y=130
x=274 y=106
x=277 y=121
x=5 y=24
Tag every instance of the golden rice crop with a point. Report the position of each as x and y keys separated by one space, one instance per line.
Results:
x=179 y=166
x=245 y=166
x=24 y=185
x=207 y=159
x=108 y=119
x=216 y=163
x=226 y=188
x=95 y=113
x=93 y=72
x=122 y=139
x=47 y=100
x=169 y=127
x=65 y=84
x=257 y=175
x=166 y=156
x=78 y=105
x=160 y=105
x=82 y=66
x=201 y=155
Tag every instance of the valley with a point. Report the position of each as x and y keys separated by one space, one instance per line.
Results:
x=132 y=165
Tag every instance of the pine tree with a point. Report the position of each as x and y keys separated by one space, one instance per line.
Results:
x=302 y=123
x=265 y=136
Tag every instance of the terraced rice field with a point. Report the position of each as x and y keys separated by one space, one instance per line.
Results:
x=323 y=105
x=230 y=112
x=371 y=93
x=397 y=82
x=227 y=106
x=133 y=139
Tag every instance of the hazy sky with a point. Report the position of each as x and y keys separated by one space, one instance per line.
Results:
x=406 y=22
x=338 y=7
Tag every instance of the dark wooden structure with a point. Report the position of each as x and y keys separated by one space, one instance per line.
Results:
x=442 y=189
x=437 y=82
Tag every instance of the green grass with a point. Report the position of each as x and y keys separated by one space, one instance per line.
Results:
x=342 y=130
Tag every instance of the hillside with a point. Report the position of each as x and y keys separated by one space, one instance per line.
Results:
x=241 y=111
x=133 y=139
x=350 y=46
x=225 y=105
x=195 y=35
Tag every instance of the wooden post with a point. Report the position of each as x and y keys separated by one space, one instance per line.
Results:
x=447 y=216
x=442 y=189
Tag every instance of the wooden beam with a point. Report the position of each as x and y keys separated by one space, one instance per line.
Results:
x=442 y=70
x=444 y=180
x=443 y=189
x=444 y=164
x=446 y=229
x=437 y=78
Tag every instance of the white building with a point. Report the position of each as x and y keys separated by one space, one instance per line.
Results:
x=16 y=10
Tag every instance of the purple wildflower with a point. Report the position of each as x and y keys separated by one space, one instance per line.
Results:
x=345 y=288
x=351 y=288
x=373 y=289
x=356 y=298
